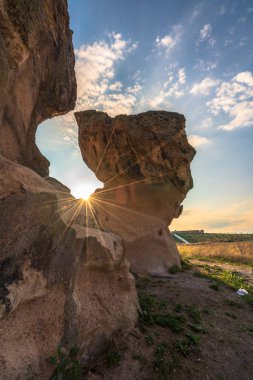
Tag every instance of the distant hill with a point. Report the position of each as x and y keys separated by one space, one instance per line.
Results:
x=200 y=237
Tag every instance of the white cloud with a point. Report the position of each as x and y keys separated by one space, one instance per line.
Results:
x=203 y=65
x=96 y=66
x=116 y=86
x=197 y=141
x=222 y=10
x=235 y=99
x=181 y=76
x=170 y=89
x=170 y=79
x=95 y=71
x=205 y=35
x=156 y=101
x=205 y=32
x=242 y=41
x=204 y=87
x=245 y=77
x=136 y=89
x=206 y=123
x=168 y=42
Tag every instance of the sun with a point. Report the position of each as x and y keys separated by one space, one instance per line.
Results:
x=83 y=191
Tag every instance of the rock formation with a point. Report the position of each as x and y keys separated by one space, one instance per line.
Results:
x=60 y=283
x=144 y=162
x=37 y=78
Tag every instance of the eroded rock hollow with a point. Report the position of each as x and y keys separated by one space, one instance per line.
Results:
x=144 y=162
x=60 y=284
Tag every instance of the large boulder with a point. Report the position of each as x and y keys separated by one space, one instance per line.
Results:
x=144 y=162
x=61 y=283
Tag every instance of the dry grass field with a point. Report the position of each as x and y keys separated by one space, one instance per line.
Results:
x=234 y=252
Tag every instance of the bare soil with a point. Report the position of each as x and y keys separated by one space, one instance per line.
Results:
x=214 y=341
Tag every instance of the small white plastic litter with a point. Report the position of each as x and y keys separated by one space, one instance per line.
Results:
x=242 y=292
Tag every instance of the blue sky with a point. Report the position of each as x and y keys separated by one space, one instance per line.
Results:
x=191 y=57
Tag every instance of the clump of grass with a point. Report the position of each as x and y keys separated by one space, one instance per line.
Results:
x=198 y=328
x=193 y=338
x=194 y=312
x=186 y=264
x=215 y=286
x=188 y=344
x=146 y=304
x=233 y=303
x=231 y=315
x=174 y=322
x=174 y=269
x=162 y=366
x=249 y=299
x=113 y=358
x=66 y=365
x=139 y=357
x=248 y=329
x=149 y=339
x=178 y=308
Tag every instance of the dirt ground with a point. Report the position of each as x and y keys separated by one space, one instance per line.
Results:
x=188 y=330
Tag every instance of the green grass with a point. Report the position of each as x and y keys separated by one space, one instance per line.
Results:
x=198 y=328
x=174 y=322
x=174 y=269
x=233 y=303
x=195 y=313
x=113 y=358
x=215 y=286
x=163 y=366
x=149 y=339
x=139 y=357
x=66 y=365
x=230 y=279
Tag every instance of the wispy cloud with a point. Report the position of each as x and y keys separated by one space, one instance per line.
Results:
x=206 y=123
x=96 y=66
x=235 y=99
x=168 y=42
x=205 y=34
x=204 y=87
x=173 y=88
x=196 y=141
x=204 y=65
x=222 y=10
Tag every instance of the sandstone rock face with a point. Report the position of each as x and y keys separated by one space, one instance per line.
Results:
x=144 y=162
x=61 y=283
x=37 y=78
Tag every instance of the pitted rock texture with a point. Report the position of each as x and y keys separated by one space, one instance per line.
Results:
x=61 y=283
x=37 y=79
x=148 y=146
x=144 y=162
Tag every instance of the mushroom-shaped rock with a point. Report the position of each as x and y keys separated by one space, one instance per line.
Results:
x=144 y=162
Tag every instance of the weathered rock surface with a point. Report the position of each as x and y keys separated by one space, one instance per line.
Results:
x=37 y=78
x=61 y=283
x=144 y=162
